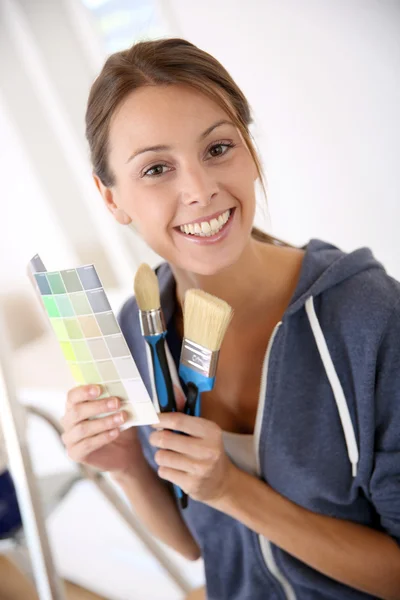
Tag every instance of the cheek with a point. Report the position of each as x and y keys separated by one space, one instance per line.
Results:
x=147 y=207
x=241 y=186
x=153 y=215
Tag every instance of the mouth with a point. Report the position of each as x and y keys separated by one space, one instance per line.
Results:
x=207 y=228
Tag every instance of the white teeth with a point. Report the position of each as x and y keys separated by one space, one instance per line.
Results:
x=206 y=228
x=214 y=224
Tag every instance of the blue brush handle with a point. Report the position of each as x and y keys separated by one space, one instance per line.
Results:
x=164 y=388
x=196 y=384
x=162 y=377
x=193 y=380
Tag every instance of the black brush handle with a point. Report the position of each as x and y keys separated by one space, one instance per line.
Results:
x=191 y=399
x=165 y=394
x=164 y=386
x=190 y=409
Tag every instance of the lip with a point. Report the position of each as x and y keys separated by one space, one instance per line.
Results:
x=213 y=239
x=213 y=216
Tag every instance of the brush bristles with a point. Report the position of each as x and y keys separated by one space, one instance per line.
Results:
x=206 y=319
x=146 y=288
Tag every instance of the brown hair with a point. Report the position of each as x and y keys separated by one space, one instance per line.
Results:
x=162 y=62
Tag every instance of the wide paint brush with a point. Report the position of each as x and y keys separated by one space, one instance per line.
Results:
x=154 y=331
x=205 y=321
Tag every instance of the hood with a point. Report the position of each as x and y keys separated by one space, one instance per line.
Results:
x=325 y=266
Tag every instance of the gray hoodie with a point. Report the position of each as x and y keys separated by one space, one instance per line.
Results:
x=328 y=432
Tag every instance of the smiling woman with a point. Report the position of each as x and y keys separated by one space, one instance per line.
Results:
x=293 y=464
x=168 y=75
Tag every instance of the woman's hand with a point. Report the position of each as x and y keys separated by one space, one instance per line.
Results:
x=99 y=442
x=196 y=462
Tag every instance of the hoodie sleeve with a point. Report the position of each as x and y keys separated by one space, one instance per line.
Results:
x=385 y=479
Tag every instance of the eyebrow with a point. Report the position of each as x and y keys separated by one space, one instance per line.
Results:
x=162 y=147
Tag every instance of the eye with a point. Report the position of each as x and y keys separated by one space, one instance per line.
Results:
x=220 y=149
x=155 y=171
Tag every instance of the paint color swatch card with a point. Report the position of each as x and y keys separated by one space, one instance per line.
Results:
x=90 y=337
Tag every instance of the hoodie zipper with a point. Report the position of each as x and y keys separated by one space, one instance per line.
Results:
x=264 y=543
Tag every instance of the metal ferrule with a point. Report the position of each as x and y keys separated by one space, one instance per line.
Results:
x=152 y=322
x=199 y=358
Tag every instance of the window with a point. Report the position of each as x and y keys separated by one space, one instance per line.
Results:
x=120 y=23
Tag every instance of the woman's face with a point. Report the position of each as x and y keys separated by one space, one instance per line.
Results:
x=183 y=175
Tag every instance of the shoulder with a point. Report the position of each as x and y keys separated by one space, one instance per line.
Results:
x=128 y=319
x=367 y=300
x=128 y=310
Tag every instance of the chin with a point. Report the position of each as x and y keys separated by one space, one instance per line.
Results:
x=217 y=265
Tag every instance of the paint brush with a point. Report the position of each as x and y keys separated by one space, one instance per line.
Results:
x=205 y=321
x=154 y=331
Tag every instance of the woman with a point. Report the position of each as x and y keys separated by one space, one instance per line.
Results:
x=293 y=468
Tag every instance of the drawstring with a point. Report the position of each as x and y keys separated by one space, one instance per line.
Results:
x=351 y=442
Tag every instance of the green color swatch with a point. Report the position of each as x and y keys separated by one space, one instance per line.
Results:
x=56 y=283
x=73 y=329
x=64 y=306
x=51 y=306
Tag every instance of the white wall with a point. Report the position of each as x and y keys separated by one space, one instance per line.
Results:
x=49 y=203
x=323 y=79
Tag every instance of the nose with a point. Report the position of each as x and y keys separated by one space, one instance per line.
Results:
x=197 y=186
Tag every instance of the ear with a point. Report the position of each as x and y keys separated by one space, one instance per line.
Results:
x=109 y=199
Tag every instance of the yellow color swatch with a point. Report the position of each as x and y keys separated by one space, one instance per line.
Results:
x=68 y=351
x=59 y=329
x=76 y=373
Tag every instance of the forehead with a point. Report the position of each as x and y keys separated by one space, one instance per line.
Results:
x=161 y=114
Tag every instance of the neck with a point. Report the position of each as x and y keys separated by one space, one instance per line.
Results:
x=263 y=277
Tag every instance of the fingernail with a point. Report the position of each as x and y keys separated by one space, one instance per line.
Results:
x=119 y=418
x=94 y=391
x=112 y=403
x=113 y=433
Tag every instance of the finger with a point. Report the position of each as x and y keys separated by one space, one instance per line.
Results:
x=87 y=429
x=179 y=478
x=188 y=445
x=82 y=393
x=195 y=426
x=181 y=462
x=79 y=451
x=84 y=410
